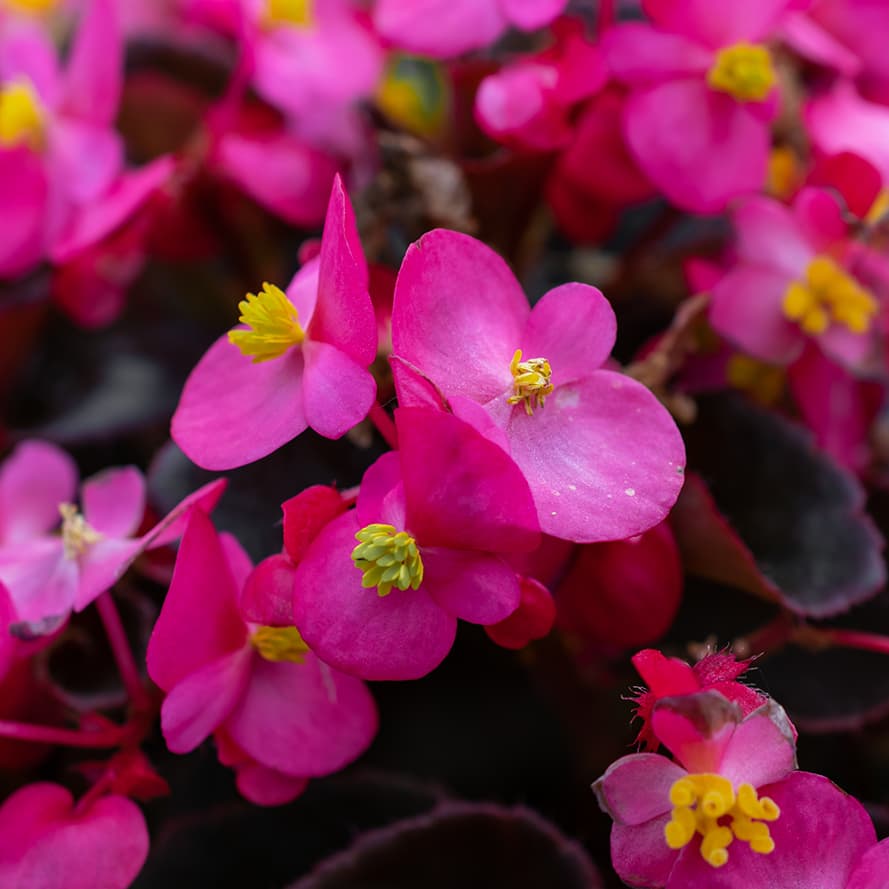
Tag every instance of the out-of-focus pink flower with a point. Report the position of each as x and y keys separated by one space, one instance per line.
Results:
x=279 y=714
x=446 y=28
x=431 y=523
x=730 y=811
x=604 y=460
x=49 y=842
x=872 y=867
x=48 y=573
x=703 y=94
x=301 y=361
x=795 y=280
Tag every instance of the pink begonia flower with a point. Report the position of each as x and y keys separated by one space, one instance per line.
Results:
x=704 y=93
x=795 y=279
x=300 y=362
x=730 y=811
x=431 y=524
x=603 y=458
x=446 y=28
x=871 y=870
x=278 y=713
x=49 y=842
x=50 y=569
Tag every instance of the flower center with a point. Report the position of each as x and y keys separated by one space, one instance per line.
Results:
x=32 y=7
x=273 y=322
x=828 y=294
x=708 y=805
x=387 y=558
x=77 y=535
x=297 y=13
x=280 y=644
x=22 y=119
x=531 y=381
x=744 y=71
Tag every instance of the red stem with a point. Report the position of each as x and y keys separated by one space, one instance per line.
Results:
x=123 y=656
x=385 y=425
x=859 y=640
x=47 y=734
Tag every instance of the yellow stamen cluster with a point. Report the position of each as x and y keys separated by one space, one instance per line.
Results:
x=22 y=119
x=387 y=559
x=763 y=381
x=829 y=294
x=279 y=644
x=77 y=535
x=31 y=7
x=708 y=805
x=296 y=13
x=273 y=322
x=744 y=71
x=531 y=381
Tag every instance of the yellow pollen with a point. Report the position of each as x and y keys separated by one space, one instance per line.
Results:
x=280 y=644
x=829 y=295
x=77 y=535
x=22 y=119
x=708 y=805
x=387 y=559
x=744 y=71
x=296 y=13
x=31 y=7
x=785 y=172
x=878 y=208
x=531 y=381
x=763 y=381
x=273 y=322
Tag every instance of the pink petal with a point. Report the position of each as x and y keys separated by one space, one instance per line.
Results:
x=603 y=458
x=636 y=788
x=641 y=856
x=820 y=217
x=699 y=147
x=267 y=596
x=378 y=486
x=478 y=588
x=531 y=14
x=172 y=525
x=24 y=193
x=26 y=51
x=268 y=787
x=747 y=309
x=812 y=41
x=306 y=514
x=872 y=867
x=199 y=622
x=84 y=160
x=337 y=392
x=114 y=501
x=573 y=327
x=770 y=235
x=40 y=579
x=101 y=567
x=303 y=719
x=851 y=350
x=763 y=748
x=404 y=635
x=640 y=54
x=233 y=411
x=717 y=25
x=34 y=479
x=8 y=643
x=203 y=700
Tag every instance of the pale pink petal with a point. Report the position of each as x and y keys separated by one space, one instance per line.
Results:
x=770 y=235
x=851 y=350
x=114 y=501
x=26 y=51
x=716 y=24
x=804 y=35
x=234 y=411
x=639 y=54
x=872 y=867
x=40 y=579
x=267 y=787
x=101 y=567
x=531 y=14
x=636 y=788
x=24 y=192
x=84 y=160
x=641 y=856
x=763 y=748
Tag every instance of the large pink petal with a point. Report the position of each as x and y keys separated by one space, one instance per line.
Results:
x=34 y=479
x=344 y=315
x=233 y=411
x=267 y=787
x=461 y=490
x=763 y=748
x=717 y=24
x=337 y=392
x=803 y=34
x=770 y=235
x=636 y=788
x=27 y=51
x=102 y=566
x=639 y=54
x=573 y=327
x=114 y=501
x=303 y=719
x=478 y=588
x=872 y=867
x=24 y=193
x=531 y=14
x=699 y=147
x=40 y=579
x=267 y=595
x=457 y=305
x=603 y=458
x=747 y=309
x=641 y=856
x=404 y=635
x=199 y=622
x=84 y=160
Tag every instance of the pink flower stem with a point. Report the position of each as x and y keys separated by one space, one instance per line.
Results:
x=859 y=640
x=606 y=16
x=47 y=734
x=385 y=425
x=123 y=656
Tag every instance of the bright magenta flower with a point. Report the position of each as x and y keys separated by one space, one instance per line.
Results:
x=301 y=360
x=279 y=714
x=604 y=460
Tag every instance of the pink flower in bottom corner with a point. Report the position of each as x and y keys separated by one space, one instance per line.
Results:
x=48 y=842
x=278 y=713
x=730 y=811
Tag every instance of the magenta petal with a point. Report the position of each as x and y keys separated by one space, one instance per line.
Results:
x=457 y=305
x=639 y=54
x=699 y=147
x=267 y=596
x=382 y=477
x=641 y=856
x=815 y=43
x=573 y=327
x=114 y=501
x=172 y=525
x=870 y=873
x=747 y=309
x=84 y=160
x=7 y=640
x=267 y=787
x=636 y=788
x=404 y=635
x=462 y=490
x=203 y=700
x=303 y=719
x=763 y=748
x=27 y=51
x=101 y=567
x=477 y=588
x=531 y=14
x=717 y=25
x=337 y=392
x=603 y=458
x=820 y=216
x=770 y=235
x=233 y=411
x=24 y=192
x=34 y=479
